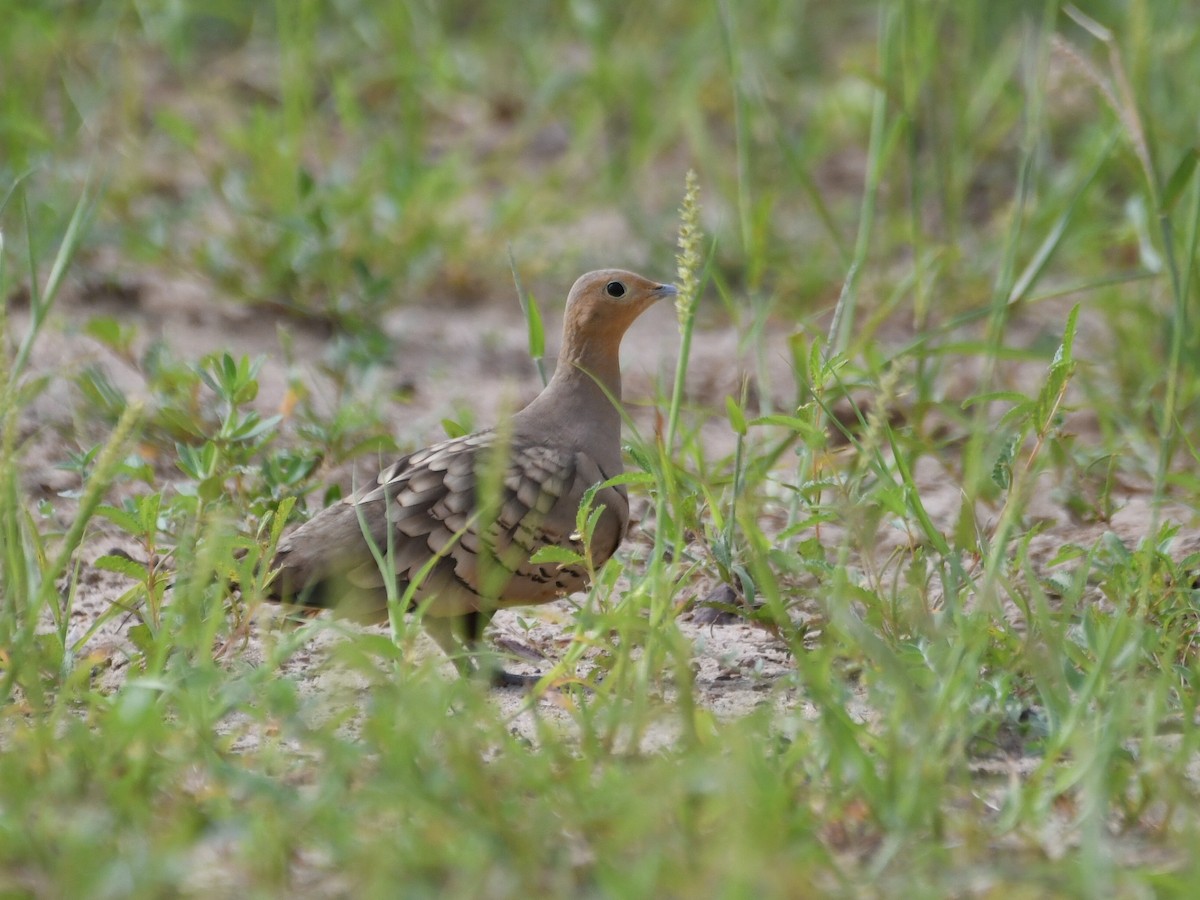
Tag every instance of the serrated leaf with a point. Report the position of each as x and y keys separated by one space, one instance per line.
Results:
x=119 y=517
x=1114 y=545
x=811 y=549
x=589 y=527
x=1001 y=475
x=141 y=637
x=1058 y=583
x=148 y=508
x=1002 y=470
x=122 y=565
x=1065 y=349
x=630 y=478
x=814 y=361
x=641 y=458
x=554 y=554
x=722 y=553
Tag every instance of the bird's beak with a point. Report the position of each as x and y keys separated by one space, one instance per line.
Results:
x=665 y=290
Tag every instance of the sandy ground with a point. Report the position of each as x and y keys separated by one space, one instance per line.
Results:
x=453 y=358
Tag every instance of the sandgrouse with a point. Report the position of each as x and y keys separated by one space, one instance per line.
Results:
x=461 y=519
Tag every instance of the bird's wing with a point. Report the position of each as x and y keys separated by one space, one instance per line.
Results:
x=465 y=517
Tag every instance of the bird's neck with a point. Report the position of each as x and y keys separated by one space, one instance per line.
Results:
x=596 y=394
x=585 y=367
x=579 y=407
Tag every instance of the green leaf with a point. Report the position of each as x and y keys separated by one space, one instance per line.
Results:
x=179 y=422
x=210 y=489
x=1179 y=179
x=372 y=647
x=1002 y=470
x=99 y=390
x=1063 y=354
x=1018 y=413
x=122 y=565
x=1034 y=268
x=142 y=637
x=642 y=459
x=252 y=427
x=805 y=428
x=108 y=331
x=554 y=554
x=177 y=127
x=1139 y=217
x=737 y=419
x=814 y=362
x=197 y=463
x=148 y=508
x=996 y=397
x=119 y=517
x=1067 y=553
x=630 y=478
x=537 y=334
x=586 y=517
x=453 y=429
x=749 y=590
x=721 y=552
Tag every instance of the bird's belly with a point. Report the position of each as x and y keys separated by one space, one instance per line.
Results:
x=526 y=589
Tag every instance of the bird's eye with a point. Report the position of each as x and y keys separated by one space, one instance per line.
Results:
x=614 y=289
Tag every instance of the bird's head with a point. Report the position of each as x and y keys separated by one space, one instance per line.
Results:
x=604 y=303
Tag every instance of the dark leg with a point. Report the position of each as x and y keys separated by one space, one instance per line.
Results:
x=461 y=639
x=448 y=633
x=502 y=678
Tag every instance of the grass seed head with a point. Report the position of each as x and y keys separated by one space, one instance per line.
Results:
x=687 y=260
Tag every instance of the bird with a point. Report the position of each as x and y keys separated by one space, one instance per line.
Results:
x=458 y=523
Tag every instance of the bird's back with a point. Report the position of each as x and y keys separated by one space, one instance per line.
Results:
x=458 y=524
